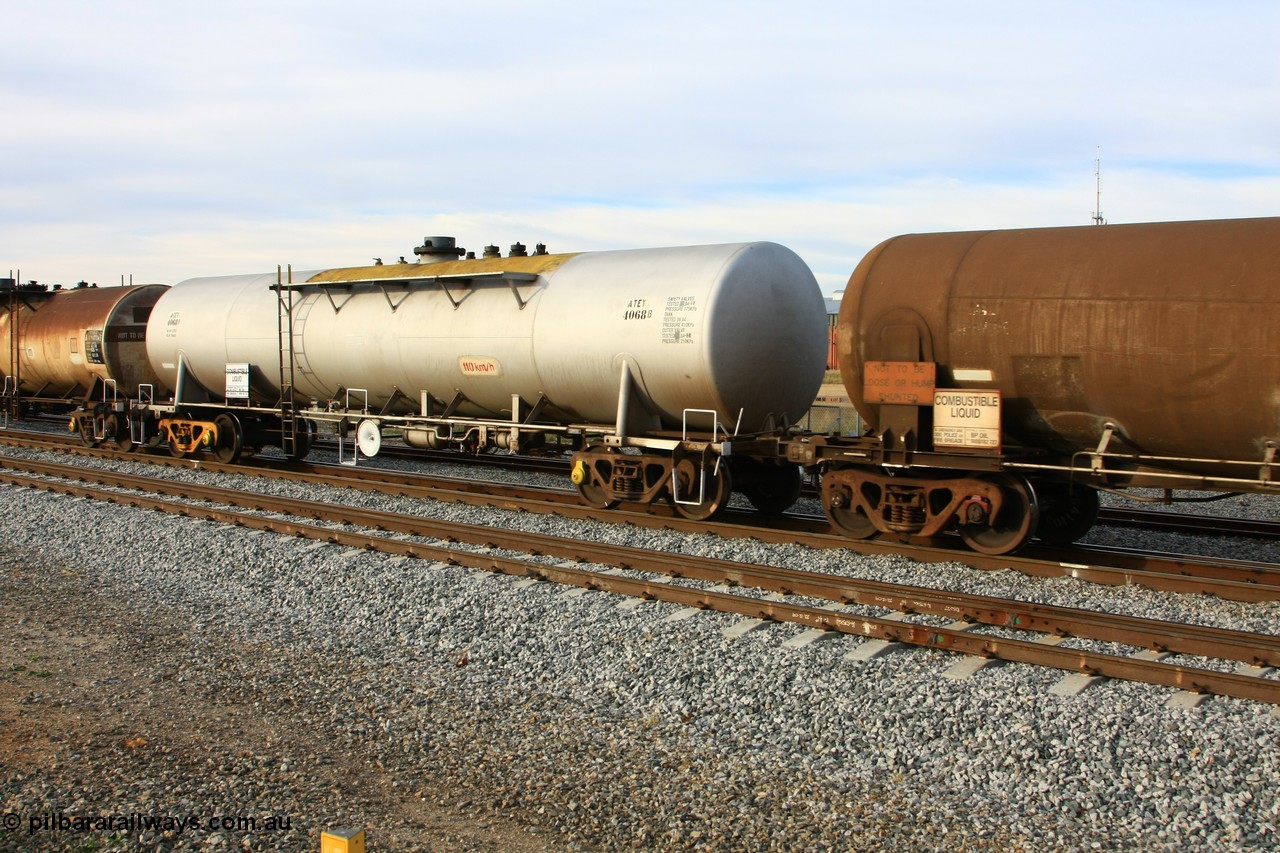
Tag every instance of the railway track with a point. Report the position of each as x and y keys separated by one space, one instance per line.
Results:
x=1144 y=519
x=950 y=621
x=1203 y=525
x=1230 y=579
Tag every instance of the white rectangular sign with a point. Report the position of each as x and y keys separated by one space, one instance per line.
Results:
x=237 y=382
x=966 y=419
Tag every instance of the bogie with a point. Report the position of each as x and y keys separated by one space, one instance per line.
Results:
x=993 y=513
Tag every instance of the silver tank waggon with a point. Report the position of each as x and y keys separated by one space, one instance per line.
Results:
x=645 y=346
x=733 y=328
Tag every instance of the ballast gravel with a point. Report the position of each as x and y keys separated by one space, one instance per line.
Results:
x=154 y=665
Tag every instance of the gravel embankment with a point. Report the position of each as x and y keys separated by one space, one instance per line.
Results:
x=164 y=666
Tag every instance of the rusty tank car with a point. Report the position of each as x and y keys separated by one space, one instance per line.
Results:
x=1007 y=376
x=84 y=345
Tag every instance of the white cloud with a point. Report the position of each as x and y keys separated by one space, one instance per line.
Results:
x=171 y=140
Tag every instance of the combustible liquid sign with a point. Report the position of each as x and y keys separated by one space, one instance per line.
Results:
x=237 y=382
x=966 y=419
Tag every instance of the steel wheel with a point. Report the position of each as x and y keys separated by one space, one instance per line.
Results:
x=593 y=495
x=86 y=425
x=851 y=522
x=709 y=496
x=1016 y=524
x=230 y=439
x=306 y=439
x=119 y=433
x=848 y=519
x=1066 y=512
x=86 y=434
x=772 y=488
x=588 y=485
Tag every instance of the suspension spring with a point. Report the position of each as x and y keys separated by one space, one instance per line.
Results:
x=906 y=515
x=626 y=488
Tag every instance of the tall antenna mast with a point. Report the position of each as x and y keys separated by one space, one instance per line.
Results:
x=1097 y=182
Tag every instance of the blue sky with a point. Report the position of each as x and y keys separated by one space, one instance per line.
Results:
x=167 y=140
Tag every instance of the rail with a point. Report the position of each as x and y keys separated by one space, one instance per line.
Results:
x=1229 y=579
x=967 y=615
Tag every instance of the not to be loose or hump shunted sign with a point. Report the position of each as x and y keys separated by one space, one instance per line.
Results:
x=908 y=383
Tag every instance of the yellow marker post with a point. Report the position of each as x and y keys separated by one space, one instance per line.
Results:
x=342 y=841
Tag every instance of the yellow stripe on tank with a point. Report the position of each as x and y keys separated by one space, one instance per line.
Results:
x=536 y=264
